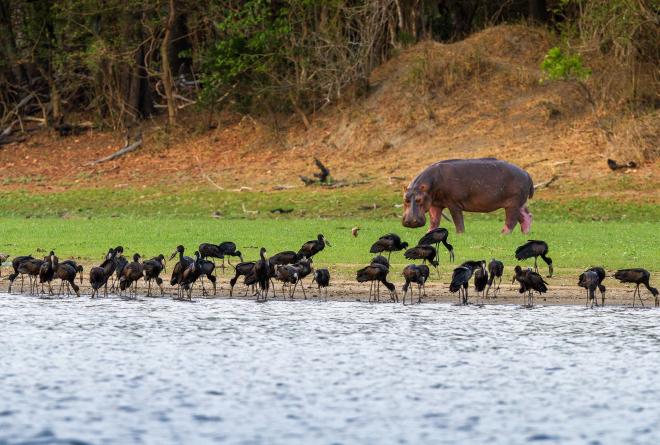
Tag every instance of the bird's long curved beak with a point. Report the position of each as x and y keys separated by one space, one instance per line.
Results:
x=173 y=255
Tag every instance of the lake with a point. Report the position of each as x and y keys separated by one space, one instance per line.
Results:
x=158 y=371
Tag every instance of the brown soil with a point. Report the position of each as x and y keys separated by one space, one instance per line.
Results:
x=478 y=97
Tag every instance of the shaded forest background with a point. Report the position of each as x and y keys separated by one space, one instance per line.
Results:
x=76 y=64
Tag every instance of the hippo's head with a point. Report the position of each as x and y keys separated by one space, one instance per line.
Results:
x=416 y=202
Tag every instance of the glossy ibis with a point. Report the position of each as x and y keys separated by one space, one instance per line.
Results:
x=76 y=266
x=589 y=280
x=459 y=282
x=3 y=257
x=120 y=263
x=67 y=274
x=600 y=272
x=437 y=236
x=376 y=272
x=180 y=266
x=637 y=276
x=130 y=275
x=99 y=276
x=529 y=282
x=495 y=270
x=535 y=248
x=220 y=251
x=388 y=243
x=245 y=268
x=311 y=248
x=380 y=259
x=16 y=264
x=206 y=269
x=287 y=274
x=322 y=279
x=425 y=253
x=481 y=279
x=262 y=274
x=413 y=273
x=286 y=257
x=152 y=269
x=31 y=268
x=190 y=275
x=47 y=271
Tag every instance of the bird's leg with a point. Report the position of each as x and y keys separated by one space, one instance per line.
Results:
x=292 y=292
x=639 y=295
x=419 y=293
x=302 y=286
x=536 y=267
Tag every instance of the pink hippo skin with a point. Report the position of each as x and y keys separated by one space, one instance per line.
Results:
x=471 y=185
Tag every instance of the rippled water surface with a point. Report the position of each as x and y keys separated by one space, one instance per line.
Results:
x=226 y=371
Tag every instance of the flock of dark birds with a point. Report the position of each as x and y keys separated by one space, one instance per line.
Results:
x=291 y=268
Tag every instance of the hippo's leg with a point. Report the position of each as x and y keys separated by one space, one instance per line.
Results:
x=457 y=216
x=512 y=216
x=435 y=213
x=525 y=219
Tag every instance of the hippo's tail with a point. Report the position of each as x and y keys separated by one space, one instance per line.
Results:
x=531 y=186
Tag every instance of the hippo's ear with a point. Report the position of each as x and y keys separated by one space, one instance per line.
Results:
x=423 y=188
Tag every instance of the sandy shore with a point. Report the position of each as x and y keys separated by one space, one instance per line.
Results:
x=343 y=290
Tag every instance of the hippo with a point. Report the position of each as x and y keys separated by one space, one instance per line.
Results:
x=471 y=185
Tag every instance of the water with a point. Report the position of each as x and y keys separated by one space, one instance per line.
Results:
x=157 y=371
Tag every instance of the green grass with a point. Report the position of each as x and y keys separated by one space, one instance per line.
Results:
x=353 y=202
x=573 y=245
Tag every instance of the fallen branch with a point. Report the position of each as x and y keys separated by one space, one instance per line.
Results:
x=546 y=183
x=119 y=153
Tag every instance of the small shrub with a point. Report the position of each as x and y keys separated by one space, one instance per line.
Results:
x=560 y=66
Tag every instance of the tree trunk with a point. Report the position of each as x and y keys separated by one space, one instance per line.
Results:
x=538 y=11
x=166 y=74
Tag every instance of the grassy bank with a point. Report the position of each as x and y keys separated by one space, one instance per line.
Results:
x=573 y=245
x=358 y=202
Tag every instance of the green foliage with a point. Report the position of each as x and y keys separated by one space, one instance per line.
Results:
x=560 y=66
x=249 y=50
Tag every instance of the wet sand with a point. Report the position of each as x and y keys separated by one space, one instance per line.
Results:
x=344 y=290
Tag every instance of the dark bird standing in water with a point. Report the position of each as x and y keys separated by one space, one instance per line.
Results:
x=190 y=276
x=459 y=282
x=322 y=279
x=67 y=274
x=16 y=264
x=311 y=248
x=47 y=271
x=535 y=248
x=30 y=268
x=437 y=236
x=388 y=243
x=99 y=276
x=152 y=269
x=376 y=272
x=637 y=276
x=495 y=270
x=600 y=275
x=130 y=275
x=245 y=268
x=589 y=280
x=529 y=281
x=78 y=268
x=425 y=253
x=481 y=279
x=414 y=273
x=262 y=274
x=180 y=266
